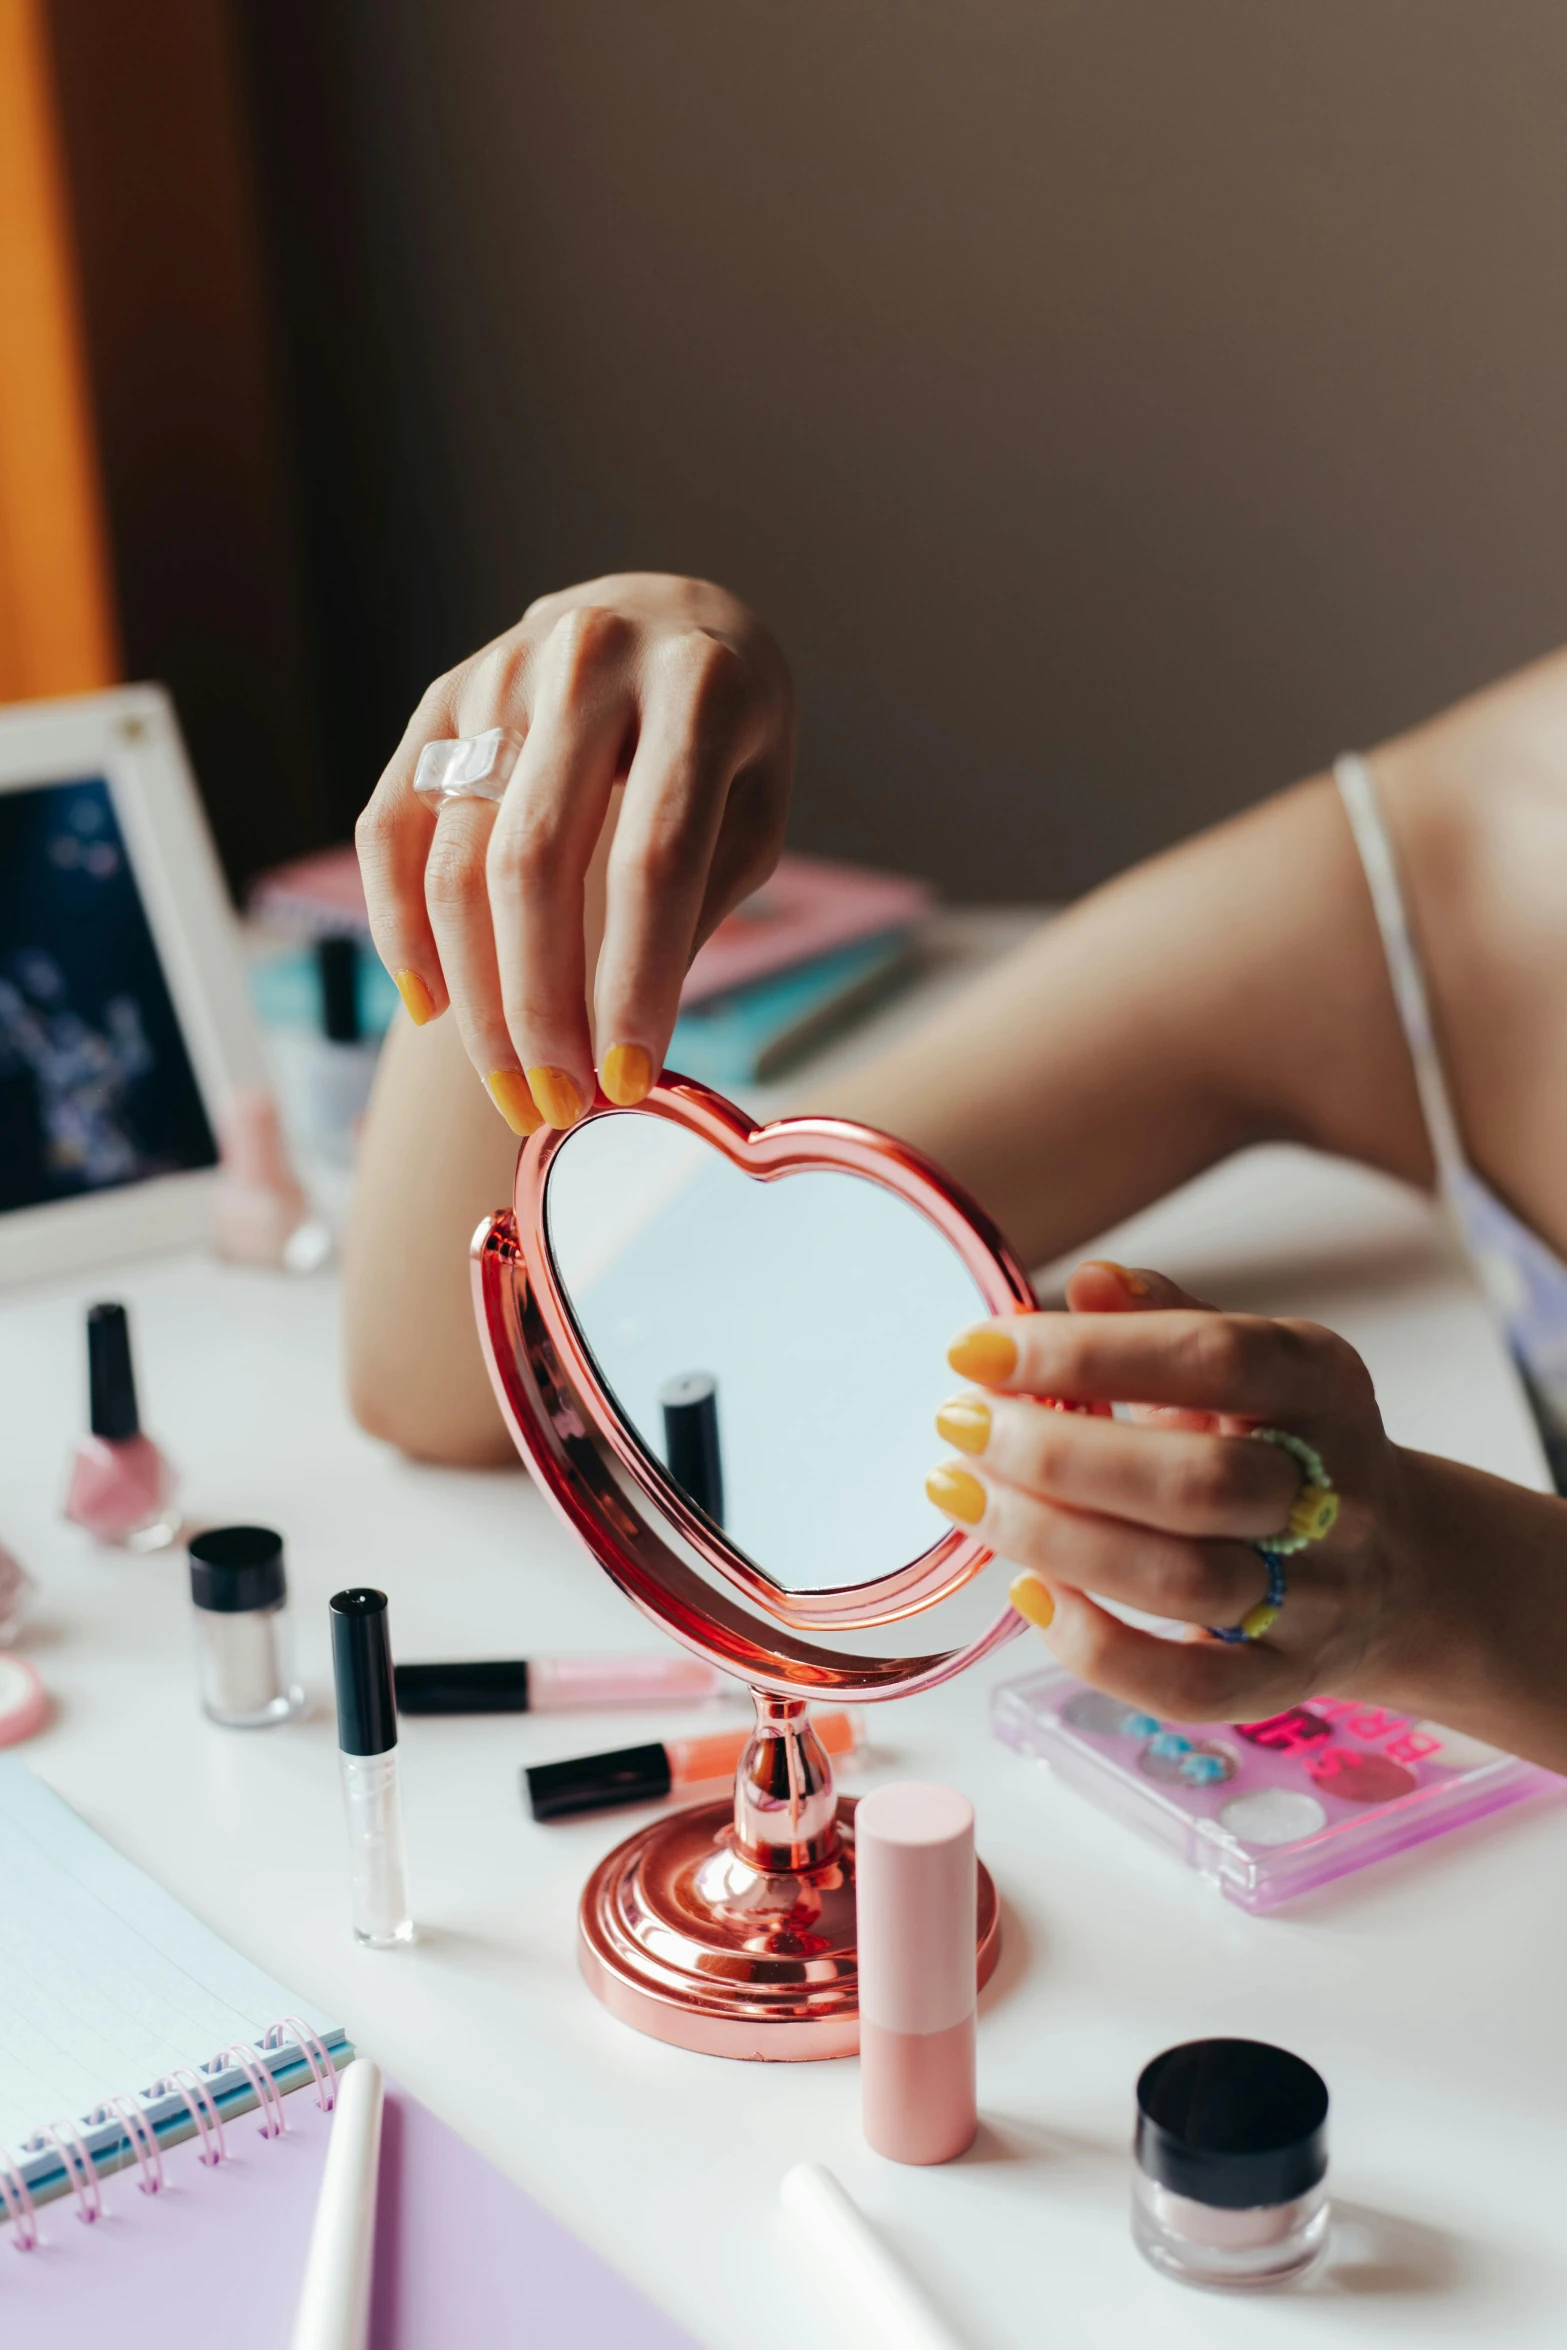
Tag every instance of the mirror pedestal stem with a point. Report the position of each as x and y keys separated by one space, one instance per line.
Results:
x=786 y=1809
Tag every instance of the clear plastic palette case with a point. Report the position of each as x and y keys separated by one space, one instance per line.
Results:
x=1265 y=1810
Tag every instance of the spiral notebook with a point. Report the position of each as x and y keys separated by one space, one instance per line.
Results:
x=177 y=2213
x=126 y=2025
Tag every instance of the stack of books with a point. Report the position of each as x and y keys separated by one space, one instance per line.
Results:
x=808 y=953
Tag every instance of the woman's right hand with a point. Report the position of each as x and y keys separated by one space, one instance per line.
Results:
x=669 y=686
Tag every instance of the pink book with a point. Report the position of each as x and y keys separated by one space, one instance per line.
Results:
x=461 y=2255
x=809 y=907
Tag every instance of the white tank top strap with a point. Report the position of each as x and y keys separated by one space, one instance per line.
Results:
x=1358 y=791
x=1524 y=1279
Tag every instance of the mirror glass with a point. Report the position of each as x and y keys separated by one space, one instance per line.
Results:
x=780 y=1347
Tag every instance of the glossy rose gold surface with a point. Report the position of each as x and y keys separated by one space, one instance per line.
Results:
x=731 y=1929
x=785 y=1811
x=593 y=1469
x=728 y=1927
x=684 y=1939
x=770 y=1154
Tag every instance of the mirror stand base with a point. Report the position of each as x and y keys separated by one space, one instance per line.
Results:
x=685 y=1939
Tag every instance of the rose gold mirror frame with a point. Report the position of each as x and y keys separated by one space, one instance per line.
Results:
x=728 y=1927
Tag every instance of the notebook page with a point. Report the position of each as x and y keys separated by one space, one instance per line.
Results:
x=214 y=2262
x=106 y=1981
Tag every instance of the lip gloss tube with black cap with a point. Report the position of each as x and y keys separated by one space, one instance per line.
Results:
x=367 y=1738
x=554 y=1684
x=690 y=1407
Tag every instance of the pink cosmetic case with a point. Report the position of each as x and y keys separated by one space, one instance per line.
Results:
x=1268 y=1810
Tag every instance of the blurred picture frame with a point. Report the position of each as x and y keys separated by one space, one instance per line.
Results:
x=125 y=1024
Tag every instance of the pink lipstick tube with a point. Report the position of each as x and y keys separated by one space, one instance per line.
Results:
x=917 y=1894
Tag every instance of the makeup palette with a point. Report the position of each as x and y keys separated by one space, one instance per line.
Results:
x=1265 y=1810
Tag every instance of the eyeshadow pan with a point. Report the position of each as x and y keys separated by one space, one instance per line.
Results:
x=1186 y=1762
x=1361 y=1778
x=1273 y=1815
x=1106 y=1717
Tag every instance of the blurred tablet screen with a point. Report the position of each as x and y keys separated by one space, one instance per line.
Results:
x=96 y=1085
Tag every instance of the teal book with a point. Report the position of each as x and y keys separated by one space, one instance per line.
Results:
x=755 y=1033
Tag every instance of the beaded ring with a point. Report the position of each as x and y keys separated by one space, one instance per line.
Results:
x=1265 y=1614
x=1314 y=1511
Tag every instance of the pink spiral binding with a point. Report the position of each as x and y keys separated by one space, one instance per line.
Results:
x=272 y=2123
x=206 y=2117
x=144 y=2143
x=315 y=2053
x=202 y=2108
x=19 y=2205
x=71 y=2147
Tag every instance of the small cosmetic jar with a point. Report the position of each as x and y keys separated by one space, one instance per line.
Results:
x=1232 y=2163
x=244 y=1651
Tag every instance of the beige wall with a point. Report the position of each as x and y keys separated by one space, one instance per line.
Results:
x=1115 y=405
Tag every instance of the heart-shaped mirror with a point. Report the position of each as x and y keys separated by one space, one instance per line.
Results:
x=719 y=1347
x=776 y=1348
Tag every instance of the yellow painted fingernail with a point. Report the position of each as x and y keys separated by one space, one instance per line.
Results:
x=957 y=1493
x=986 y=1355
x=1031 y=1599
x=965 y=1422
x=558 y=1096
x=626 y=1074
x=508 y=1090
x=1132 y=1283
x=418 y=1002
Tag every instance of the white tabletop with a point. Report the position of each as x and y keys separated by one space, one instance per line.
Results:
x=1428 y=1991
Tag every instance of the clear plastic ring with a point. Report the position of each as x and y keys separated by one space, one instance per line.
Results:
x=468 y=767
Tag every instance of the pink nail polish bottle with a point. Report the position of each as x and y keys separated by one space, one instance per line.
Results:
x=121 y=1488
x=916 y=1892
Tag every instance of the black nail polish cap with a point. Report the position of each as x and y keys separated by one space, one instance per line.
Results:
x=690 y=1405
x=337 y=961
x=111 y=1382
x=597 y=1782
x=234 y=1569
x=488 y=1685
x=1235 y=2124
x=362 y=1668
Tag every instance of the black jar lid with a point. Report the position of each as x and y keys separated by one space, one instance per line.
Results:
x=236 y=1568
x=1232 y=2123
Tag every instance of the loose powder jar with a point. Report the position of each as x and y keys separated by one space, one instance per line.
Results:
x=243 y=1650
x=1232 y=2161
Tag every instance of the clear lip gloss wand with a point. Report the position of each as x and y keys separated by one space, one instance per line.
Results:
x=367 y=1737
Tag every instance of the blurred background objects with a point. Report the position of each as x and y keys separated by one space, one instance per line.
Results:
x=1114 y=408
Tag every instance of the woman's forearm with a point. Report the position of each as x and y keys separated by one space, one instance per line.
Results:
x=436 y=1159
x=1480 y=1642
x=1231 y=991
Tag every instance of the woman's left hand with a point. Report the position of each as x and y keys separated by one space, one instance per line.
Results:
x=1163 y=1514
